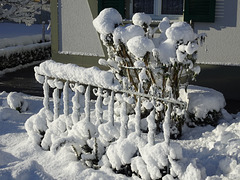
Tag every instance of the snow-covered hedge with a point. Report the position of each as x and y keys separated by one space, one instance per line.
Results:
x=22 y=50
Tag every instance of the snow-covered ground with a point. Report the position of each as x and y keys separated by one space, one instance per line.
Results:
x=215 y=150
x=11 y=30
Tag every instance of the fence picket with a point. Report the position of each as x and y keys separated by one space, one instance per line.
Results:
x=151 y=126
x=111 y=109
x=87 y=104
x=46 y=93
x=98 y=106
x=66 y=98
x=76 y=104
x=56 y=101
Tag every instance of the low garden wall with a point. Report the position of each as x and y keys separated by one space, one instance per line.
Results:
x=23 y=50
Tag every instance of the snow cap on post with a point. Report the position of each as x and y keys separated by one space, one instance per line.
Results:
x=107 y=20
x=141 y=18
x=140 y=45
x=181 y=31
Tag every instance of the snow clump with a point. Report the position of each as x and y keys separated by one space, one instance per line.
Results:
x=141 y=19
x=123 y=34
x=16 y=101
x=181 y=31
x=140 y=45
x=107 y=21
x=202 y=100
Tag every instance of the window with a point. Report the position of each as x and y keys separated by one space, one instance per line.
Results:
x=200 y=10
x=172 y=7
x=117 y=4
x=195 y=10
x=157 y=8
x=143 y=6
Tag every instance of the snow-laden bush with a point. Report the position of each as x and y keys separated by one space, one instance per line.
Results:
x=154 y=65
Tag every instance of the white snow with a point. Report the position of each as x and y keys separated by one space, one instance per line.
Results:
x=181 y=31
x=207 y=152
x=123 y=34
x=107 y=20
x=202 y=100
x=16 y=101
x=74 y=73
x=140 y=45
x=141 y=18
x=21 y=48
x=22 y=40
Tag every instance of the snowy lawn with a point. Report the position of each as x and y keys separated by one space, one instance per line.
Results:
x=11 y=30
x=214 y=150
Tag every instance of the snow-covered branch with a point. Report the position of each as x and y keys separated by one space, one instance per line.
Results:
x=20 y=10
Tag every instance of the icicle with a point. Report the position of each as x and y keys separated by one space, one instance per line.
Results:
x=166 y=124
x=151 y=126
x=66 y=98
x=56 y=102
x=87 y=104
x=138 y=113
x=76 y=104
x=98 y=106
x=46 y=93
x=111 y=109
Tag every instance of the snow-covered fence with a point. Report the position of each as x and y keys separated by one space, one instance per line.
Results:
x=103 y=84
x=109 y=127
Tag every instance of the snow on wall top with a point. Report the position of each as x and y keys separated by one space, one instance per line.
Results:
x=71 y=72
x=22 y=40
x=202 y=100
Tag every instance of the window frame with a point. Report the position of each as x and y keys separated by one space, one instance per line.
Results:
x=157 y=9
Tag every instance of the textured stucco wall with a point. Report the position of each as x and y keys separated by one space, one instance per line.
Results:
x=223 y=42
x=76 y=32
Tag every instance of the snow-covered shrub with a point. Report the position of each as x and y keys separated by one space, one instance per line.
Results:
x=17 y=102
x=153 y=65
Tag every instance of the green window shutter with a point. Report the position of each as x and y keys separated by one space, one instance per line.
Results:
x=117 y=4
x=199 y=10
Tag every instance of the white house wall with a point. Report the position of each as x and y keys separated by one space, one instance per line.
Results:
x=223 y=36
x=76 y=33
